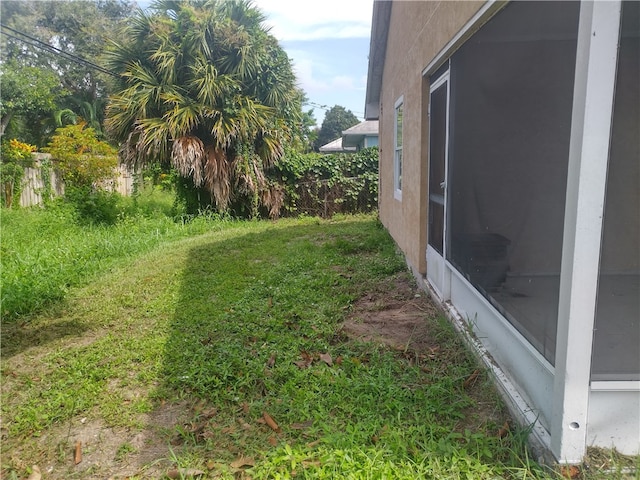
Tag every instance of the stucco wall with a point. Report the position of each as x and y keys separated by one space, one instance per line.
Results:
x=417 y=32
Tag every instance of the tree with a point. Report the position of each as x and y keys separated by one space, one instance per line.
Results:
x=78 y=30
x=207 y=89
x=26 y=92
x=335 y=121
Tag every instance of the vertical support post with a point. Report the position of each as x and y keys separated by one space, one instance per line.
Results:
x=592 y=114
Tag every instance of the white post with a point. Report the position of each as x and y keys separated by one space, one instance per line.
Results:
x=595 y=75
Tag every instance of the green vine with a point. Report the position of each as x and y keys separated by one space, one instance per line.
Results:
x=323 y=185
x=45 y=174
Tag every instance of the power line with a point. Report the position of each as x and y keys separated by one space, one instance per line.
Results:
x=34 y=42
x=327 y=108
x=37 y=43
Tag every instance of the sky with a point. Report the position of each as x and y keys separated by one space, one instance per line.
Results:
x=328 y=44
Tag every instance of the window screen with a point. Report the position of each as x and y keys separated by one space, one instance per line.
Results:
x=397 y=162
x=511 y=101
x=617 y=336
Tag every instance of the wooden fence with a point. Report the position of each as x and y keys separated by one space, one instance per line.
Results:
x=33 y=182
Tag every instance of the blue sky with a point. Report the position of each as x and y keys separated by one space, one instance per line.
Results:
x=328 y=43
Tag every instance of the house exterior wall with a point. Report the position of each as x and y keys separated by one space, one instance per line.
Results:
x=571 y=411
x=418 y=31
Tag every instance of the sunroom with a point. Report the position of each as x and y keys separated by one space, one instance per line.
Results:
x=527 y=136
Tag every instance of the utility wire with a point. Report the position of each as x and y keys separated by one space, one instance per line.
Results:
x=327 y=108
x=34 y=42
x=37 y=43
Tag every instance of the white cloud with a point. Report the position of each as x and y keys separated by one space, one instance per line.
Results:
x=313 y=19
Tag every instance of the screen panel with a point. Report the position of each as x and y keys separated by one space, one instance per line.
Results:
x=616 y=350
x=511 y=102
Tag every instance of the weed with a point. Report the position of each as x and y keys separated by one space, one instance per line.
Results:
x=123 y=451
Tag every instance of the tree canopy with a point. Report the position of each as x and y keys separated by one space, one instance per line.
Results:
x=66 y=40
x=206 y=88
x=336 y=120
x=26 y=92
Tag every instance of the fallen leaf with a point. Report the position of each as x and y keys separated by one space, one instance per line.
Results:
x=302 y=425
x=326 y=358
x=339 y=361
x=273 y=441
x=270 y=422
x=313 y=444
x=211 y=464
x=270 y=302
x=472 y=378
x=245 y=408
x=503 y=430
x=272 y=360
x=35 y=473
x=570 y=471
x=77 y=458
x=305 y=362
x=243 y=462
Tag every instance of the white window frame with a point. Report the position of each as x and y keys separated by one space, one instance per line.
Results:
x=397 y=149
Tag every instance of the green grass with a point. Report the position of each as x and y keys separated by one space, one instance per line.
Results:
x=222 y=322
x=46 y=252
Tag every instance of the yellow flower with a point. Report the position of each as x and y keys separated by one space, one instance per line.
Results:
x=21 y=146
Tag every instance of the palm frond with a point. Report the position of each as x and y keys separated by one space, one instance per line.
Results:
x=154 y=139
x=217 y=176
x=188 y=157
x=272 y=197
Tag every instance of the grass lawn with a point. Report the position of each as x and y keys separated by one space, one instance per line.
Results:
x=221 y=352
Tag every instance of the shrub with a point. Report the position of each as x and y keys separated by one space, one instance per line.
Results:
x=323 y=185
x=14 y=157
x=85 y=164
x=81 y=158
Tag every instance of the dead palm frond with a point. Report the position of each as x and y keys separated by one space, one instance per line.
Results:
x=217 y=176
x=188 y=158
x=272 y=197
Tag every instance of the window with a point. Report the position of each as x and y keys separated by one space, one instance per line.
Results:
x=397 y=151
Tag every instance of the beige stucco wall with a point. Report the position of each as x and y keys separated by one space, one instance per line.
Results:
x=417 y=32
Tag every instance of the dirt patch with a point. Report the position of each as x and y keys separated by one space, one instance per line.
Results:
x=394 y=315
x=106 y=452
x=401 y=316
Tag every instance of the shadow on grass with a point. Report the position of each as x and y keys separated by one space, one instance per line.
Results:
x=236 y=296
x=254 y=344
x=17 y=336
x=249 y=305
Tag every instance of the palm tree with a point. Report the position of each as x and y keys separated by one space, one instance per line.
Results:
x=205 y=87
